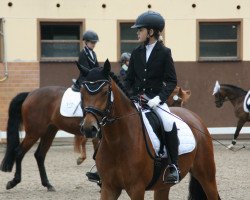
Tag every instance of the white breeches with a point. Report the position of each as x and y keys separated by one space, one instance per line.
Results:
x=165 y=114
x=166 y=117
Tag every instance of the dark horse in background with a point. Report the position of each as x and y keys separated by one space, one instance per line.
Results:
x=236 y=95
x=122 y=159
x=39 y=112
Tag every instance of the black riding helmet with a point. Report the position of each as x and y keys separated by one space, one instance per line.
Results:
x=150 y=20
x=90 y=36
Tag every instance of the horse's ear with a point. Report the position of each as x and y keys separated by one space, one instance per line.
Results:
x=180 y=90
x=216 y=87
x=82 y=69
x=106 y=67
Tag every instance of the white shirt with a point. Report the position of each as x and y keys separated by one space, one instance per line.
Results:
x=149 y=49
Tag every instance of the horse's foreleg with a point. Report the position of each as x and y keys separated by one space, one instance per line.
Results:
x=162 y=194
x=40 y=155
x=136 y=193
x=240 y=124
x=108 y=194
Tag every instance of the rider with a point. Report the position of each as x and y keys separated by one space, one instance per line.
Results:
x=125 y=57
x=151 y=73
x=88 y=59
x=87 y=56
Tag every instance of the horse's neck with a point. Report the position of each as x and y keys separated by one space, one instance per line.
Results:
x=127 y=122
x=232 y=96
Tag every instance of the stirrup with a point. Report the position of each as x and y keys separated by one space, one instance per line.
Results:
x=167 y=172
x=93 y=179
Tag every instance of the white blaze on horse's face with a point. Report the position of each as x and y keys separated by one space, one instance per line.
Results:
x=216 y=87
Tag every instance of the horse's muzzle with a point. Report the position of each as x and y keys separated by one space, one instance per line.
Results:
x=90 y=131
x=218 y=104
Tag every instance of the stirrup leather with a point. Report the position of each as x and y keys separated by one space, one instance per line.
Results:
x=167 y=171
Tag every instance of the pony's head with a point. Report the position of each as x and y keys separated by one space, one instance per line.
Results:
x=179 y=97
x=96 y=98
x=219 y=94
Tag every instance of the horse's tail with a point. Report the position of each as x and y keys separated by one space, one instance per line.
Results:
x=196 y=191
x=13 y=126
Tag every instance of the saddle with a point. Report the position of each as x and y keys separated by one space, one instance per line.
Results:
x=157 y=125
x=155 y=121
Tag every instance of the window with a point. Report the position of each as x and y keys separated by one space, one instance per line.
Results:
x=219 y=41
x=1 y=41
x=60 y=41
x=128 y=38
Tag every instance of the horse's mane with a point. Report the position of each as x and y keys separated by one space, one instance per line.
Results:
x=118 y=82
x=239 y=90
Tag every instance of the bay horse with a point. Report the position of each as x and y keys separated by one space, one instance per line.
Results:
x=178 y=98
x=122 y=159
x=39 y=113
x=236 y=95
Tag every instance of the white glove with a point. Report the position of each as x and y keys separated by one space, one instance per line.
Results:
x=152 y=103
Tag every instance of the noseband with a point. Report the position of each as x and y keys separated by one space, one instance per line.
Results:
x=94 y=88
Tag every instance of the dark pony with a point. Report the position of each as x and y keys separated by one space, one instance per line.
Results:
x=122 y=159
x=39 y=113
x=236 y=95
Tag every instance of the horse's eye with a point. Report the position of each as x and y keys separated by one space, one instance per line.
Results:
x=105 y=93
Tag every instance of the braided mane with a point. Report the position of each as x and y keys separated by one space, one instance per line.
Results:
x=118 y=82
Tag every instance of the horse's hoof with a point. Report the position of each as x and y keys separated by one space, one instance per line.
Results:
x=79 y=161
x=9 y=185
x=51 y=189
x=230 y=146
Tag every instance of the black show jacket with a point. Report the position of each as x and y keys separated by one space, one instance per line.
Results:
x=155 y=77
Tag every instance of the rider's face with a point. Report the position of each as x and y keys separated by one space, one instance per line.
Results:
x=91 y=44
x=142 y=34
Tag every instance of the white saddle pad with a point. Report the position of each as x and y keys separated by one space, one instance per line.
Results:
x=70 y=105
x=246 y=102
x=185 y=135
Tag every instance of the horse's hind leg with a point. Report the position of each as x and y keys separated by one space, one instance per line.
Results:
x=40 y=155
x=240 y=124
x=21 y=150
x=82 y=148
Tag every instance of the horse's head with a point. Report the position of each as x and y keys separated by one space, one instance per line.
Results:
x=219 y=95
x=97 y=99
x=179 y=97
x=184 y=95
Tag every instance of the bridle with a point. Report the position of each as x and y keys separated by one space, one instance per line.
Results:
x=101 y=116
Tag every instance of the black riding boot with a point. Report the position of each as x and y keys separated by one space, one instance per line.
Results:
x=76 y=85
x=172 y=145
